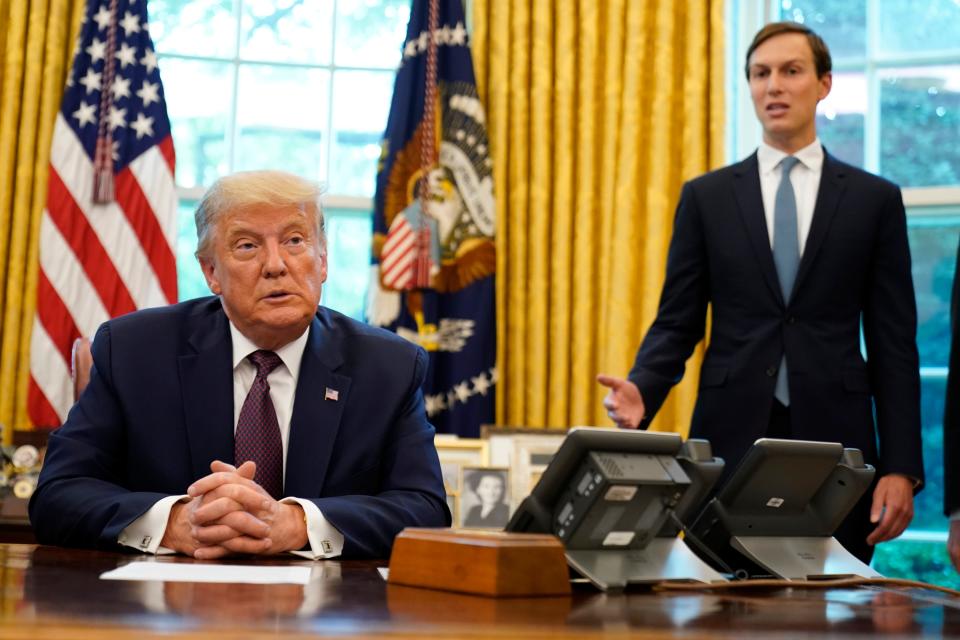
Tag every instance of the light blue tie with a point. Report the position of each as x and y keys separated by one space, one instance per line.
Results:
x=786 y=254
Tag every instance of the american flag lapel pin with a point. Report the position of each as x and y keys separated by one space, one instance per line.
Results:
x=331 y=394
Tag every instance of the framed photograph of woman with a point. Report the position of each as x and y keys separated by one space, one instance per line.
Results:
x=485 y=499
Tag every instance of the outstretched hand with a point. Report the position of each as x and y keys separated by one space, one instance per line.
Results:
x=623 y=403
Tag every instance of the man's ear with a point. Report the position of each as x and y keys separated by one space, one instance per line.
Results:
x=210 y=273
x=826 y=83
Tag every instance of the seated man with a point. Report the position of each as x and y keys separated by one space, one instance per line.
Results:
x=202 y=416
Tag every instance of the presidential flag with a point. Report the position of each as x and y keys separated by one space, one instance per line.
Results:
x=107 y=233
x=434 y=256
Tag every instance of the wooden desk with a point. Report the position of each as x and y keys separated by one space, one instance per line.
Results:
x=14 y=524
x=52 y=593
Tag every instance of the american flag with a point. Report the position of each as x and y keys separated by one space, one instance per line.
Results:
x=104 y=250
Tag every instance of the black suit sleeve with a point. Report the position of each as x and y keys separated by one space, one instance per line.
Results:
x=951 y=411
x=890 y=332
x=681 y=317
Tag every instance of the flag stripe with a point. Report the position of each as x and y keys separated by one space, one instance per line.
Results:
x=169 y=155
x=157 y=185
x=41 y=411
x=52 y=379
x=68 y=279
x=56 y=318
x=152 y=240
x=85 y=244
x=399 y=253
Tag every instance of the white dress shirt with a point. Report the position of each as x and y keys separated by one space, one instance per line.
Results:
x=145 y=532
x=805 y=179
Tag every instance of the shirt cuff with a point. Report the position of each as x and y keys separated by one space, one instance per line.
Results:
x=325 y=540
x=146 y=532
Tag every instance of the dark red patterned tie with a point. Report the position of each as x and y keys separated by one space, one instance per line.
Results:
x=258 y=433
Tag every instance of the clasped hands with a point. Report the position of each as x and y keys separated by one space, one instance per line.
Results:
x=228 y=513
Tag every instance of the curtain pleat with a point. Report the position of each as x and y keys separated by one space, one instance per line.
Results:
x=597 y=114
x=36 y=42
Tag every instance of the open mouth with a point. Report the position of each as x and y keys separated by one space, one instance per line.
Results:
x=777 y=108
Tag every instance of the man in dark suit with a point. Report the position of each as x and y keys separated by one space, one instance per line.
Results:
x=791 y=268
x=251 y=422
x=951 y=429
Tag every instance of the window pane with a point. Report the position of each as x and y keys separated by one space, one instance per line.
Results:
x=282 y=119
x=194 y=27
x=370 y=33
x=198 y=101
x=908 y=26
x=840 y=117
x=842 y=25
x=920 y=125
x=917 y=560
x=349 y=237
x=287 y=30
x=190 y=280
x=359 y=120
x=933 y=249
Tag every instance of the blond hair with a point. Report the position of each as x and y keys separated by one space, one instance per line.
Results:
x=251 y=188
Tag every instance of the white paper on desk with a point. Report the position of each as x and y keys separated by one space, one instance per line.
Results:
x=188 y=572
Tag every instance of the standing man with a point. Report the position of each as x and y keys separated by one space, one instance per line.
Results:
x=951 y=429
x=794 y=252
x=252 y=421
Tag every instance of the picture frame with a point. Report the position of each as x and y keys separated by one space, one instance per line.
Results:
x=527 y=452
x=484 y=501
x=455 y=453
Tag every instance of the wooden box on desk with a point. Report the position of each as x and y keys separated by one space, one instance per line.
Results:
x=490 y=563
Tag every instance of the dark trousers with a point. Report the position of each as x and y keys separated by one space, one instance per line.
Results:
x=853 y=531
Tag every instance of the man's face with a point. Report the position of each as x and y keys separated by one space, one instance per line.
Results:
x=785 y=90
x=490 y=489
x=268 y=265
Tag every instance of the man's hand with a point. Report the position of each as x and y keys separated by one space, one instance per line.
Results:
x=623 y=403
x=953 y=544
x=238 y=516
x=186 y=534
x=892 y=507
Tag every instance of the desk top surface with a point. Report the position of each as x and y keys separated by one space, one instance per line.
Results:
x=49 y=592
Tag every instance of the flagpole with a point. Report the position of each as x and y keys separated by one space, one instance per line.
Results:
x=427 y=148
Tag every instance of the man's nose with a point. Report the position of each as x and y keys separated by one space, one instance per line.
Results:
x=273 y=260
x=773 y=82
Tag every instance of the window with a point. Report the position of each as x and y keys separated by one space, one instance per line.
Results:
x=895 y=110
x=299 y=85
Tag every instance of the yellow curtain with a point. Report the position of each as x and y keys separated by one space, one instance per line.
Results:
x=36 y=42
x=597 y=114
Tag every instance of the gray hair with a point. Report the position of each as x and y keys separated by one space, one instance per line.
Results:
x=250 y=188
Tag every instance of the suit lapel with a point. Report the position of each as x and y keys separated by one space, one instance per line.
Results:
x=316 y=418
x=207 y=389
x=746 y=187
x=832 y=185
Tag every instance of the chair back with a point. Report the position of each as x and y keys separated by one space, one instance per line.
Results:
x=80 y=363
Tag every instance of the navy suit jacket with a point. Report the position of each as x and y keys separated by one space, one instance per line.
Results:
x=159 y=409
x=854 y=271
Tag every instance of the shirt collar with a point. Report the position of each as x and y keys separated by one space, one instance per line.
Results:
x=811 y=156
x=291 y=353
